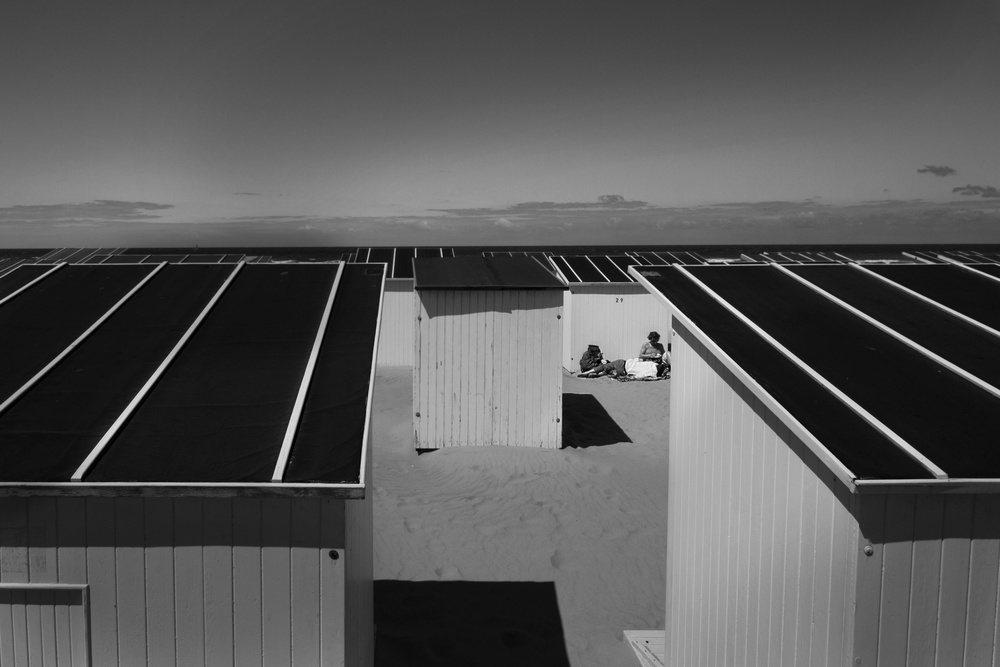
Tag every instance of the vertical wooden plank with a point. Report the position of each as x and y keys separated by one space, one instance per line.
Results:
x=810 y=614
x=868 y=590
x=418 y=371
x=464 y=367
x=6 y=626
x=449 y=392
x=72 y=626
x=484 y=383
x=954 y=596
x=531 y=368
x=130 y=574
x=33 y=628
x=305 y=563
x=983 y=581
x=745 y=522
x=897 y=560
x=497 y=342
x=332 y=611
x=777 y=517
x=793 y=548
x=217 y=564
x=276 y=592
x=13 y=540
x=928 y=526
x=840 y=587
x=358 y=588
x=247 y=611
x=158 y=526
x=42 y=568
x=710 y=563
x=520 y=389
x=189 y=581
x=19 y=624
x=766 y=504
x=101 y=577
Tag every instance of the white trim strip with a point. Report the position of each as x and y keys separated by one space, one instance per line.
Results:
x=76 y=343
x=28 y=285
x=973 y=269
x=826 y=384
x=365 y=439
x=36 y=586
x=153 y=379
x=300 y=398
x=843 y=473
x=925 y=299
x=957 y=370
x=392 y=267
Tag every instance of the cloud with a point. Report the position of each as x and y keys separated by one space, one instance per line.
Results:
x=987 y=191
x=937 y=170
x=110 y=210
x=503 y=222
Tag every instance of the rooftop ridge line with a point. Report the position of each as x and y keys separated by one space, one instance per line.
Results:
x=894 y=437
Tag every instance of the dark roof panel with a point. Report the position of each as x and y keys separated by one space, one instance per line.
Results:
x=41 y=322
x=73 y=406
x=333 y=420
x=21 y=276
x=403 y=266
x=496 y=273
x=952 y=286
x=585 y=270
x=220 y=411
x=949 y=420
x=959 y=342
x=610 y=269
x=864 y=451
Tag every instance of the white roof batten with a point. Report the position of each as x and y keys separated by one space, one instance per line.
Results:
x=603 y=275
x=371 y=393
x=842 y=472
x=300 y=398
x=957 y=370
x=972 y=269
x=936 y=304
x=79 y=339
x=826 y=384
x=562 y=275
x=153 y=379
x=28 y=285
x=391 y=269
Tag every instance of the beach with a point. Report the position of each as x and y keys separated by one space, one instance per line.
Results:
x=588 y=520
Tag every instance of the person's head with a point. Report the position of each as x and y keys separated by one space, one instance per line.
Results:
x=653 y=337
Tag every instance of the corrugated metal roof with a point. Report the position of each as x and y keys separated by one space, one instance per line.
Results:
x=894 y=369
x=486 y=273
x=247 y=377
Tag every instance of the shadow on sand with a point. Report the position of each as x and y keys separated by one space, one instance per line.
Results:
x=481 y=623
x=587 y=424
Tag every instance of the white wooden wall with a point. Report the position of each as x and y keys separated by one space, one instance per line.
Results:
x=395 y=347
x=761 y=550
x=616 y=316
x=927 y=596
x=487 y=368
x=182 y=581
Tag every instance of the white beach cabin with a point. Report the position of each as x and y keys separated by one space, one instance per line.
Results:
x=487 y=353
x=834 y=474
x=186 y=472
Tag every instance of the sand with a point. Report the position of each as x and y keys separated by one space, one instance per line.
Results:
x=590 y=518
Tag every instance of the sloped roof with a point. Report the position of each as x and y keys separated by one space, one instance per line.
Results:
x=893 y=370
x=248 y=377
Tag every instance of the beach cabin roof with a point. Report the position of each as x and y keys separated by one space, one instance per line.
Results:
x=483 y=273
x=890 y=373
x=187 y=378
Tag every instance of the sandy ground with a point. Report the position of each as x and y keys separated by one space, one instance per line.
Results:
x=590 y=518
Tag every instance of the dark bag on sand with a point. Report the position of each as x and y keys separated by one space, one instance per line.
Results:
x=591 y=358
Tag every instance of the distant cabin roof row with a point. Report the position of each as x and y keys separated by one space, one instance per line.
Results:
x=893 y=370
x=242 y=374
x=583 y=264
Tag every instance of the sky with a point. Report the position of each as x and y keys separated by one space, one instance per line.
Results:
x=339 y=122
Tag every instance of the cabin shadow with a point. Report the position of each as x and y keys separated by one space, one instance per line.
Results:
x=482 y=623
x=587 y=424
